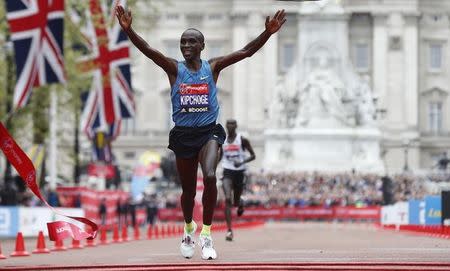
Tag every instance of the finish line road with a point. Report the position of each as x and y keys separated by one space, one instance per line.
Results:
x=307 y=243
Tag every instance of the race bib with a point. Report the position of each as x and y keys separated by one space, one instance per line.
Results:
x=194 y=98
x=232 y=152
x=231 y=148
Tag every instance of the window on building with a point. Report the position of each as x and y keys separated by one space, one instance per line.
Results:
x=287 y=56
x=435 y=57
x=435 y=117
x=361 y=57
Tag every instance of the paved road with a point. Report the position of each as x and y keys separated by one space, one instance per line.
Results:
x=273 y=242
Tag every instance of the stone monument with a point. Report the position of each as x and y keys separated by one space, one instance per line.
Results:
x=322 y=116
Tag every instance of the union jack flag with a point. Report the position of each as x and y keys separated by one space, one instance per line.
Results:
x=108 y=59
x=91 y=120
x=36 y=28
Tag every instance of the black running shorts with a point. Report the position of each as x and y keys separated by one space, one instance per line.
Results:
x=236 y=176
x=186 y=142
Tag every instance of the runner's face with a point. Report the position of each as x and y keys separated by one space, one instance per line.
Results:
x=231 y=127
x=191 y=45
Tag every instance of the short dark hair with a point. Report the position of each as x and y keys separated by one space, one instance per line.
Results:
x=202 y=38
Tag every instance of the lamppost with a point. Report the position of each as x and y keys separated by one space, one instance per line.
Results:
x=76 y=150
x=9 y=84
x=406 y=145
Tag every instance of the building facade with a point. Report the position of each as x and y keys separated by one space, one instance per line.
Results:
x=399 y=46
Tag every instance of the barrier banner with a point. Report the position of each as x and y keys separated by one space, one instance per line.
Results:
x=396 y=214
x=90 y=201
x=433 y=210
x=20 y=161
x=298 y=213
x=9 y=221
x=350 y=212
x=415 y=211
x=101 y=170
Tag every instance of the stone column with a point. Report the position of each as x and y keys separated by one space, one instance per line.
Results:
x=379 y=58
x=270 y=51
x=240 y=70
x=411 y=73
x=411 y=91
x=395 y=73
x=255 y=92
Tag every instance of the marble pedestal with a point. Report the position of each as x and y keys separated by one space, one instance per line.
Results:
x=329 y=150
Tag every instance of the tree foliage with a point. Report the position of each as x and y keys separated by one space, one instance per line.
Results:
x=36 y=112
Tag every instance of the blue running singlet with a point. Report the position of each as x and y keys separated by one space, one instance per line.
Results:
x=194 y=97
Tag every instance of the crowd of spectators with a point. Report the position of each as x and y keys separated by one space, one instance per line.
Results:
x=301 y=189
x=14 y=192
x=290 y=189
x=345 y=189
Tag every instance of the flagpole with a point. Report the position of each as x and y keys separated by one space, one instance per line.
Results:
x=8 y=47
x=53 y=138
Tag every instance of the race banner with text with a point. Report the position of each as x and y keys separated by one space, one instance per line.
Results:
x=343 y=213
x=58 y=230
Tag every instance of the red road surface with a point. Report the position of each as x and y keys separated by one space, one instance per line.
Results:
x=274 y=246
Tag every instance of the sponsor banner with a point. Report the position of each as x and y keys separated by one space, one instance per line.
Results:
x=433 y=210
x=422 y=212
x=387 y=214
x=397 y=214
x=279 y=213
x=402 y=213
x=9 y=221
x=90 y=201
x=33 y=220
x=101 y=170
x=357 y=213
x=416 y=212
x=173 y=214
x=141 y=216
x=138 y=186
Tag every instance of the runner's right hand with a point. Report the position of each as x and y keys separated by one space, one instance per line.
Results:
x=124 y=18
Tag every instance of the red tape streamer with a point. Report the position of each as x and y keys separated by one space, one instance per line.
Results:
x=58 y=230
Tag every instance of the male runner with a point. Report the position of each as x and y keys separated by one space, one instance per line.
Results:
x=196 y=137
x=233 y=163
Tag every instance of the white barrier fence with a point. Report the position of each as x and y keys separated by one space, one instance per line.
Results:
x=426 y=211
x=31 y=220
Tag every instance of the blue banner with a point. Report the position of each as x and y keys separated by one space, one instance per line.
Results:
x=9 y=221
x=138 y=186
x=433 y=210
x=414 y=211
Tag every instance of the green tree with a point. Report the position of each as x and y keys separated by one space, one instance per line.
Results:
x=13 y=122
x=69 y=94
x=77 y=82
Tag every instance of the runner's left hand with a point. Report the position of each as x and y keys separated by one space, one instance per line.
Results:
x=274 y=24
